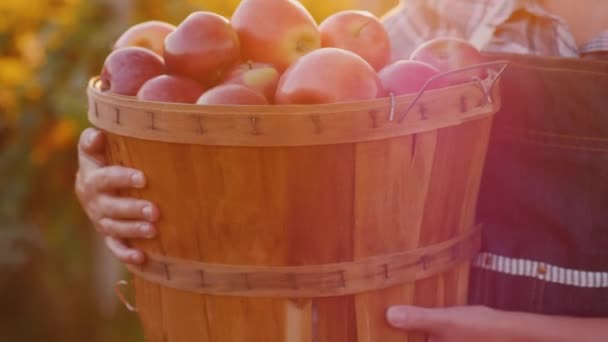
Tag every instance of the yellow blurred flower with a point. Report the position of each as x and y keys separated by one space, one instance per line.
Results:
x=30 y=48
x=20 y=14
x=8 y=105
x=62 y=135
x=32 y=91
x=64 y=17
x=321 y=9
x=224 y=7
x=13 y=12
x=13 y=72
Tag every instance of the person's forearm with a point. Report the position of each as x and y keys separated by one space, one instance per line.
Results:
x=543 y=328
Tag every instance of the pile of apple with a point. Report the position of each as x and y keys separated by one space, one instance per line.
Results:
x=273 y=51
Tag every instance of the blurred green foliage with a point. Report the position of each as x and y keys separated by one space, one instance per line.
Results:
x=48 y=50
x=48 y=251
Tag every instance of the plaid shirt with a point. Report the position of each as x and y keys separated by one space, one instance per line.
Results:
x=513 y=26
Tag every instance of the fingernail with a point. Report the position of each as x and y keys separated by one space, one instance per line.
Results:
x=137 y=180
x=395 y=316
x=90 y=137
x=137 y=257
x=147 y=211
x=147 y=230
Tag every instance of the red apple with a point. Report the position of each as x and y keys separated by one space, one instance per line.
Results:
x=360 y=32
x=328 y=75
x=260 y=77
x=275 y=31
x=126 y=70
x=448 y=54
x=202 y=47
x=171 y=88
x=150 y=35
x=232 y=94
x=405 y=77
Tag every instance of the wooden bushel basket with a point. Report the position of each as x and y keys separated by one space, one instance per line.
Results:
x=303 y=223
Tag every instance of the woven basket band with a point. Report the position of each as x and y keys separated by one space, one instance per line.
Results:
x=309 y=281
x=296 y=125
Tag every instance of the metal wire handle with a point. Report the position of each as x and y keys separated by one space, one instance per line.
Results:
x=486 y=85
x=118 y=289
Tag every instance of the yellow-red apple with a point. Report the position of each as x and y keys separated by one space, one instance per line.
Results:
x=405 y=77
x=202 y=47
x=126 y=70
x=150 y=35
x=328 y=75
x=232 y=94
x=171 y=88
x=447 y=54
x=275 y=31
x=360 y=32
x=261 y=77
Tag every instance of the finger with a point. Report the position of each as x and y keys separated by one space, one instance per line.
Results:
x=123 y=252
x=127 y=229
x=91 y=148
x=413 y=318
x=111 y=178
x=118 y=208
x=92 y=141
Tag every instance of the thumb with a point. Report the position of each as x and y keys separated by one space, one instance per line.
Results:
x=92 y=141
x=416 y=318
x=91 y=148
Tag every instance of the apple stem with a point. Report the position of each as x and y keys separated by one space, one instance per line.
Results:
x=358 y=33
x=302 y=45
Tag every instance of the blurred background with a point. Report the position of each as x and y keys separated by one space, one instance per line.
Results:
x=56 y=278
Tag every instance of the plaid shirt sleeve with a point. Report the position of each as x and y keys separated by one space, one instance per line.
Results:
x=598 y=44
x=513 y=26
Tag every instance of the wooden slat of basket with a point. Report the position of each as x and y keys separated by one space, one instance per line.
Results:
x=330 y=168
x=443 y=209
x=386 y=169
x=234 y=209
x=455 y=282
x=424 y=164
x=324 y=201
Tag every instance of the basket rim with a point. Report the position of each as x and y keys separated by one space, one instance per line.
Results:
x=294 y=125
x=268 y=109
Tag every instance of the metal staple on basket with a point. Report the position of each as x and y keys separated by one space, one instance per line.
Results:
x=118 y=290
x=152 y=118
x=317 y=124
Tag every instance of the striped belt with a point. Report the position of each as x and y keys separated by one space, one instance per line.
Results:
x=541 y=270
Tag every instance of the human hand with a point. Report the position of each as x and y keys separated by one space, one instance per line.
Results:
x=117 y=218
x=455 y=324
x=478 y=323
